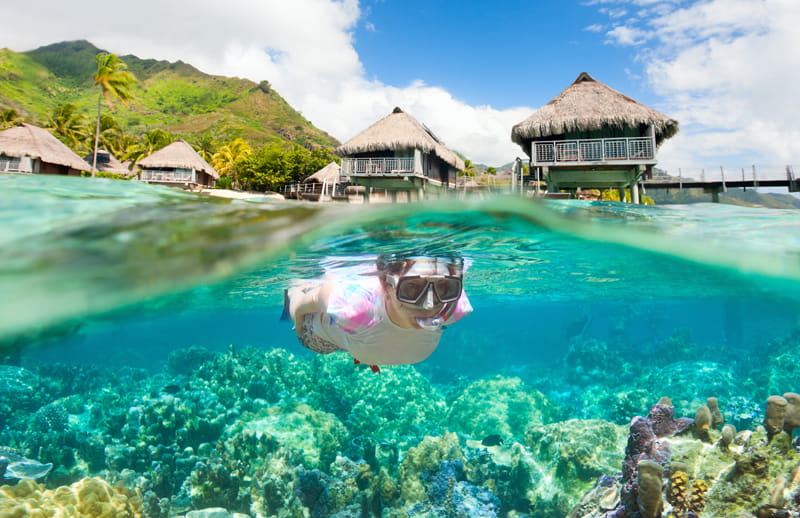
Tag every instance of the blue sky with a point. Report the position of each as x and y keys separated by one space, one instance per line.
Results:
x=726 y=69
x=505 y=54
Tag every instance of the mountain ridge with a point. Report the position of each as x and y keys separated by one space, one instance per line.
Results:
x=172 y=96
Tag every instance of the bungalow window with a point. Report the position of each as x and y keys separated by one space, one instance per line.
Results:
x=9 y=163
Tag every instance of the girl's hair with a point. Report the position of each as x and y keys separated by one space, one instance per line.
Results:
x=391 y=264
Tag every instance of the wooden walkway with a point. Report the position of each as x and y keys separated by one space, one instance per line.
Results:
x=719 y=180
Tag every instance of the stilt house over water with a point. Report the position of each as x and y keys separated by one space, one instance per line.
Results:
x=398 y=153
x=178 y=165
x=324 y=184
x=30 y=149
x=591 y=136
x=107 y=163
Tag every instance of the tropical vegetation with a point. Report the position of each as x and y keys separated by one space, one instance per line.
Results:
x=62 y=87
x=114 y=82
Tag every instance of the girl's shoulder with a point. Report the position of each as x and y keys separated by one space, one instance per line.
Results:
x=355 y=302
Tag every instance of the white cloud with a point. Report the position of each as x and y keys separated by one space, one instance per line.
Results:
x=303 y=47
x=624 y=35
x=727 y=70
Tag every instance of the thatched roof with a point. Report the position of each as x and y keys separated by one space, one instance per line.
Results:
x=112 y=165
x=397 y=131
x=180 y=155
x=330 y=172
x=589 y=105
x=36 y=142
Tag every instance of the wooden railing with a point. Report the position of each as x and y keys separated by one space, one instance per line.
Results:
x=377 y=166
x=725 y=174
x=635 y=149
x=155 y=175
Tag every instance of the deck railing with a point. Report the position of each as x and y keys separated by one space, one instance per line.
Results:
x=376 y=166
x=725 y=174
x=594 y=150
x=178 y=176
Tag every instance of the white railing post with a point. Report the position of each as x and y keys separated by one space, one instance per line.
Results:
x=755 y=180
x=722 y=172
x=680 y=179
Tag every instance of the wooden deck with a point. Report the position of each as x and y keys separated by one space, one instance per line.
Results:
x=721 y=179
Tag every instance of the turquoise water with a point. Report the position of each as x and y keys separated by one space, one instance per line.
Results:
x=601 y=308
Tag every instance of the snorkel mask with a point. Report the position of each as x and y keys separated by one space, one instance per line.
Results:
x=429 y=281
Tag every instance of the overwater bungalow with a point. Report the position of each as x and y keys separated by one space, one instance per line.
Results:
x=33 y=150
x=592 y=136
x=325 y=184
x=107 y=163
x=177 y=165
x=398 y=153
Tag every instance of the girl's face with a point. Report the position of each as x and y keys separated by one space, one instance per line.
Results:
x=433 y=279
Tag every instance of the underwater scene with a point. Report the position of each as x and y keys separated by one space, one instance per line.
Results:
x=618 y=361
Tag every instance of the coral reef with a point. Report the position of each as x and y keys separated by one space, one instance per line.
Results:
x=268 y=434
x=752 y=473
x=499 y=405
x=87 y=497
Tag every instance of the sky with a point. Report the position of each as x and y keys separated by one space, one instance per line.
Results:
x=727 y=70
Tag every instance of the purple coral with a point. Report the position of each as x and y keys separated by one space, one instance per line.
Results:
x=662 y=419
x=644 y=444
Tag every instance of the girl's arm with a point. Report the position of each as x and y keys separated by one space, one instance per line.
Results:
x=305 y=300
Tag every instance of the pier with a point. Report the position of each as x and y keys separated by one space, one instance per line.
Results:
x=717 y=180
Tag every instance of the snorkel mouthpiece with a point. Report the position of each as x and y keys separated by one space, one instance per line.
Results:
x=431 y=323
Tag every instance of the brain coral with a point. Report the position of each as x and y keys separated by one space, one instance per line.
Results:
x=499 y=405
x=87 y=497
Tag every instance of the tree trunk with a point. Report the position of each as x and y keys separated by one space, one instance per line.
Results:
x=97 y=133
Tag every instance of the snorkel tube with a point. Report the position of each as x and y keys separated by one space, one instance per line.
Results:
x=437 y=322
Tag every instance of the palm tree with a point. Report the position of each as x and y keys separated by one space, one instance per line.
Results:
x=206 y=146
x=469 y=169
x=8 y=118
x=224 y=160
x=148 y=144
x=114 y=81
x=70 y=126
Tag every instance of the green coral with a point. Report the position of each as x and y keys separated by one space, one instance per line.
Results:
x=314 y=436
x=398 y=405
x=426 y=456
x=499 y=405
x=571 y=455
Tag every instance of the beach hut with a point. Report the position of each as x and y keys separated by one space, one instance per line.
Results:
x=107 y=163
x=178 y=165
x=324 y=184
x=398 y=153
x=29 y=149
x=592 y=136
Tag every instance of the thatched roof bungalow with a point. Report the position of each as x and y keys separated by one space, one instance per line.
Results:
x=179 y=165
x=592 y=136
x=399 y=153
x=107 y=163
x=29 y=149
x=330 y=174
x=324 y=184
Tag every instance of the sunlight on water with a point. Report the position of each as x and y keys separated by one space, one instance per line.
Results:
x=73 y=247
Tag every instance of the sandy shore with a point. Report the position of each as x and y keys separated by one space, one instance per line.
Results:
x=243 y=195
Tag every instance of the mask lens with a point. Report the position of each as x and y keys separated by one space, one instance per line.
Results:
x=410 y=289
x=448 y=289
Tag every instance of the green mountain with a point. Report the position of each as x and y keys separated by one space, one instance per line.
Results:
x=175 y=97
